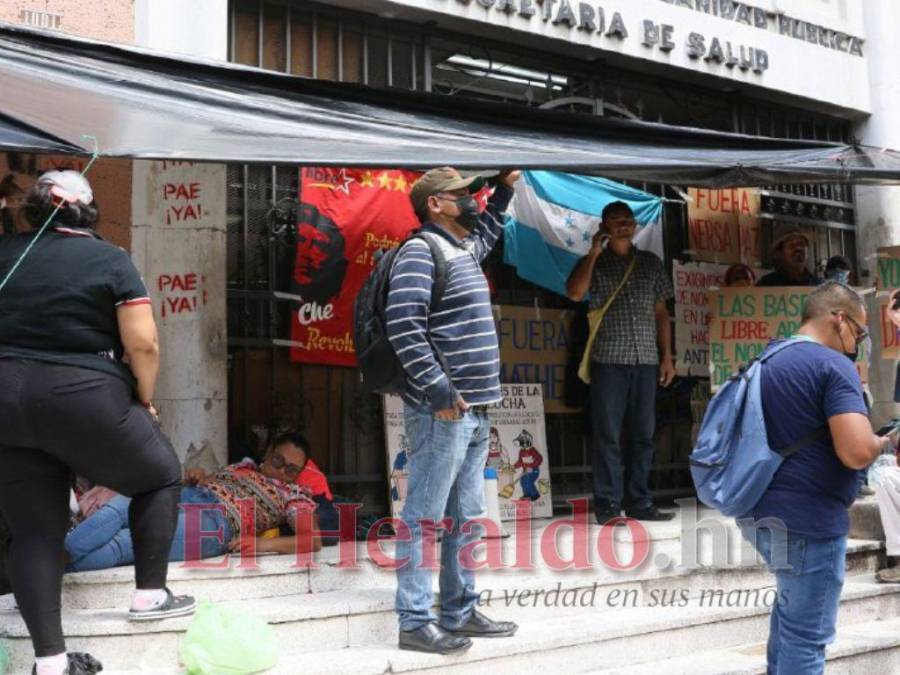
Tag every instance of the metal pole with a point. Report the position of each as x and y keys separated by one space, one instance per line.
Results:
x=288 y=37
x=261 y=24
x=427 y=64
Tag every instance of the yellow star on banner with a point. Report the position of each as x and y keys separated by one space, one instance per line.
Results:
x=400 y=184
x=368 y=179
x=384 y=180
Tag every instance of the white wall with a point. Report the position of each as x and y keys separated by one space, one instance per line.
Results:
x=195 y=27
x=178 y=243
x=878 y=209
x=797 y=68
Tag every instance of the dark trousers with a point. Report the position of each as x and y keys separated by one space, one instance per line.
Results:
x=329 y=519
x=58 y=420
x=623 y=398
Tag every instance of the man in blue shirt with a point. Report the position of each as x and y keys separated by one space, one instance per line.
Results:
x=452 y=362
x=812 y=391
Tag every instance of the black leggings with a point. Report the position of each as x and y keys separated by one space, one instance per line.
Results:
x=56 y=420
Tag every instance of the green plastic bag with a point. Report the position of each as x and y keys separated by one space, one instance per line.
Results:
x=4 y=659
x=223 y=641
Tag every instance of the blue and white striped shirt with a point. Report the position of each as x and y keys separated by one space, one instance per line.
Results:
x=461 y=327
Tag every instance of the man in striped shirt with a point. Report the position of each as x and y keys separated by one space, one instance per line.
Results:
x=452 y=363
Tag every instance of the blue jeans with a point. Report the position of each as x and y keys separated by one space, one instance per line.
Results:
x=446 y=479
x=809 y=575
x=529 y=484
x=622 y=398
x=104 y=540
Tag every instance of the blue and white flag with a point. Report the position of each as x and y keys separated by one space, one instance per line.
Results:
x=554 y=216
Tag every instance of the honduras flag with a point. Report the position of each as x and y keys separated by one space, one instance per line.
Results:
x=554 y=216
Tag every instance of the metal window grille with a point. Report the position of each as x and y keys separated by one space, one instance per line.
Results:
x=315 y=40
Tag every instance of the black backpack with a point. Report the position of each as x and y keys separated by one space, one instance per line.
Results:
x=380 y=371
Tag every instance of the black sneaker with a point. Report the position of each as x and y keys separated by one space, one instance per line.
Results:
x=79 y=664
x=607 y=513
x=649 y=513
x=175 y=605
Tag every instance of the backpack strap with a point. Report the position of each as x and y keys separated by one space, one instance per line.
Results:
x=441 y=268
x=762 y=358
x=784 y=344
x=812 y=436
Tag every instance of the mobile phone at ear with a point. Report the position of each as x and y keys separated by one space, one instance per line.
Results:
x=890 y=428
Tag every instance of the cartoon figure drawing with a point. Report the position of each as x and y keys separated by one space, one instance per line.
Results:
x=399 y=475
x=529 y=462
x=497 y=453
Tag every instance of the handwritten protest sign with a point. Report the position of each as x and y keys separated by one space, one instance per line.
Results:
x=723 y=225
x=744 y=320
x=888 y=279
x=534 y=348
x=692 y=281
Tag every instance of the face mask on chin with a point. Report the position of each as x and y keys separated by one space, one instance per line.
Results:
x=468 y=212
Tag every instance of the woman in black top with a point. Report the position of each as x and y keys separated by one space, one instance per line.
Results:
x=79 y=358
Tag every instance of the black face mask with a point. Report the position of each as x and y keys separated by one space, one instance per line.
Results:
x=468 y=212
x=850 y=355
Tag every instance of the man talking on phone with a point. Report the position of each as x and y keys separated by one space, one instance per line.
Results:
x=812 y=398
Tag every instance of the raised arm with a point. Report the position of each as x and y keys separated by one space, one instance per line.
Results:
x=579 y=281
x=490 y=226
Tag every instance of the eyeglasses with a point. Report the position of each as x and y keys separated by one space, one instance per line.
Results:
x=860 y=333
x=279 y=462
x=459 y=194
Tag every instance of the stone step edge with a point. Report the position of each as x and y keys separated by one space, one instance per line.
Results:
x=306 y=607
x=750 y=659
x=531 y=639
x=329 y=556
x=278 y=565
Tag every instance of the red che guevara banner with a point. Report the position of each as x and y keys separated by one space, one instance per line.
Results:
x=345 y=216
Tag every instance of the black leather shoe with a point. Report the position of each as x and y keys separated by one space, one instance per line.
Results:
x=607 y=513
x=479 y=625
x=649 y=513
x=433 y=639
x=79 y=664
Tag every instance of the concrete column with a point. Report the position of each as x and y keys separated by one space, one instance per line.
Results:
x=878 y=208
x=178 y=244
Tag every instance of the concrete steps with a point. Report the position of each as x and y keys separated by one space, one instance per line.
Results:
x=332 y=620
x=871 y=647
x=587 y=641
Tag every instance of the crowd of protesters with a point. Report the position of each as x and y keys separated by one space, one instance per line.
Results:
x=79 y=358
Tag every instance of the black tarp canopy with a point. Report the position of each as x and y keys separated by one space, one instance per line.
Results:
x=15 y=136
x=147 y=105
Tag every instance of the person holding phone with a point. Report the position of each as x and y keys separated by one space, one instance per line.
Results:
x=801 y=523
